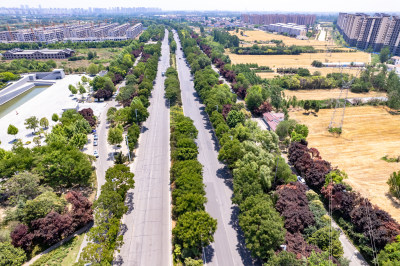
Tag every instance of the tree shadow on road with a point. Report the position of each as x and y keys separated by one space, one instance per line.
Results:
x=123 y=229
x=224 y=174
x=209 y=253
x=209 y=127
x=144 y=129
x=129 y=202
x=241 y=247
x=118 y=261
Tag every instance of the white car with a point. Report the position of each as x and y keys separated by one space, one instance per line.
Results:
x=163 y=74
x=95 y=137
x=300 y=179
x=95 y=143
x=96 y=154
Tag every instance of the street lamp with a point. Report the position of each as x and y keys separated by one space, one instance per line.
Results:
x=127 y=144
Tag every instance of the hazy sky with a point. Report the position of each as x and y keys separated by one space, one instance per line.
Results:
x=234 y=5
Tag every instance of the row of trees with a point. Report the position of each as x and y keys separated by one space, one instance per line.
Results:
x=253 y=155
x=273 y=50
x=258 y=98
x=369 y=227
x=104 y=237
x=18 y=66
x=194 y=228
x=172 y=87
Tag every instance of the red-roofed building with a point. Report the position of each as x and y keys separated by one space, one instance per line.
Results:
x=273 y=119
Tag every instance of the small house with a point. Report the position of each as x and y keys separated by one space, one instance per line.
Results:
x=272 y=119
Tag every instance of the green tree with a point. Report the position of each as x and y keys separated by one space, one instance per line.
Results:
x=230 y=152
x=394 y=184
x=390 y=255
x=37 y=141
x=319 y=259
x=121 y=177
x=72 y=89
x=194 y=230
x=84 y=79
x=262 y=225
x=285 y=128
x=92 y=69
x=12 y=130
x=307 y=105
x=44 y=122
x=384 y=55
x=79 y=140
x=54 y=117
x=254 y=99
x=284 y=258
x=82 y=90
x=323 y=238
x=32 y=123
x=235 y=117
x=23 y=186
x=193 y=262
x=115 y=136
x=138 y=113
x=10 y=255
x=64 y=166
x=189 y=202
x=40 y=206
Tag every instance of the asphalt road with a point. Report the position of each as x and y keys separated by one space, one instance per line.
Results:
x=106 y=158
x=147 y=237
x=228 y=248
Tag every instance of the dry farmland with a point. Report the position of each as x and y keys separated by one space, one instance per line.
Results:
x=369 y=133
x=328 y=94
x=258 y=35
x=302 y=60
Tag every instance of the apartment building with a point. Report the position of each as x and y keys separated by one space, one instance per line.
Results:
x=265 y=19
x=119 y=30
x=38 y=54
x=134 y=31
x=74 y=32
x=364 y=31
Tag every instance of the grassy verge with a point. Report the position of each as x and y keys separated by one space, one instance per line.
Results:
x=64 y=255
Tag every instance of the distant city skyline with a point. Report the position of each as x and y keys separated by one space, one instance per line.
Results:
x=228 y=5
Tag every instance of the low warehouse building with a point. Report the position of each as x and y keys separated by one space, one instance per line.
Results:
x=38 y=54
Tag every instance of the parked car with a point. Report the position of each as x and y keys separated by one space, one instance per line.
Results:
x=95 y=143
x=95 y=137
x=300 y=179
x=96 y=154
x=93 y=130
x=163 y=74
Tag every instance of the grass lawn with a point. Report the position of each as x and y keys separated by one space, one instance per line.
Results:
x=64 y=255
